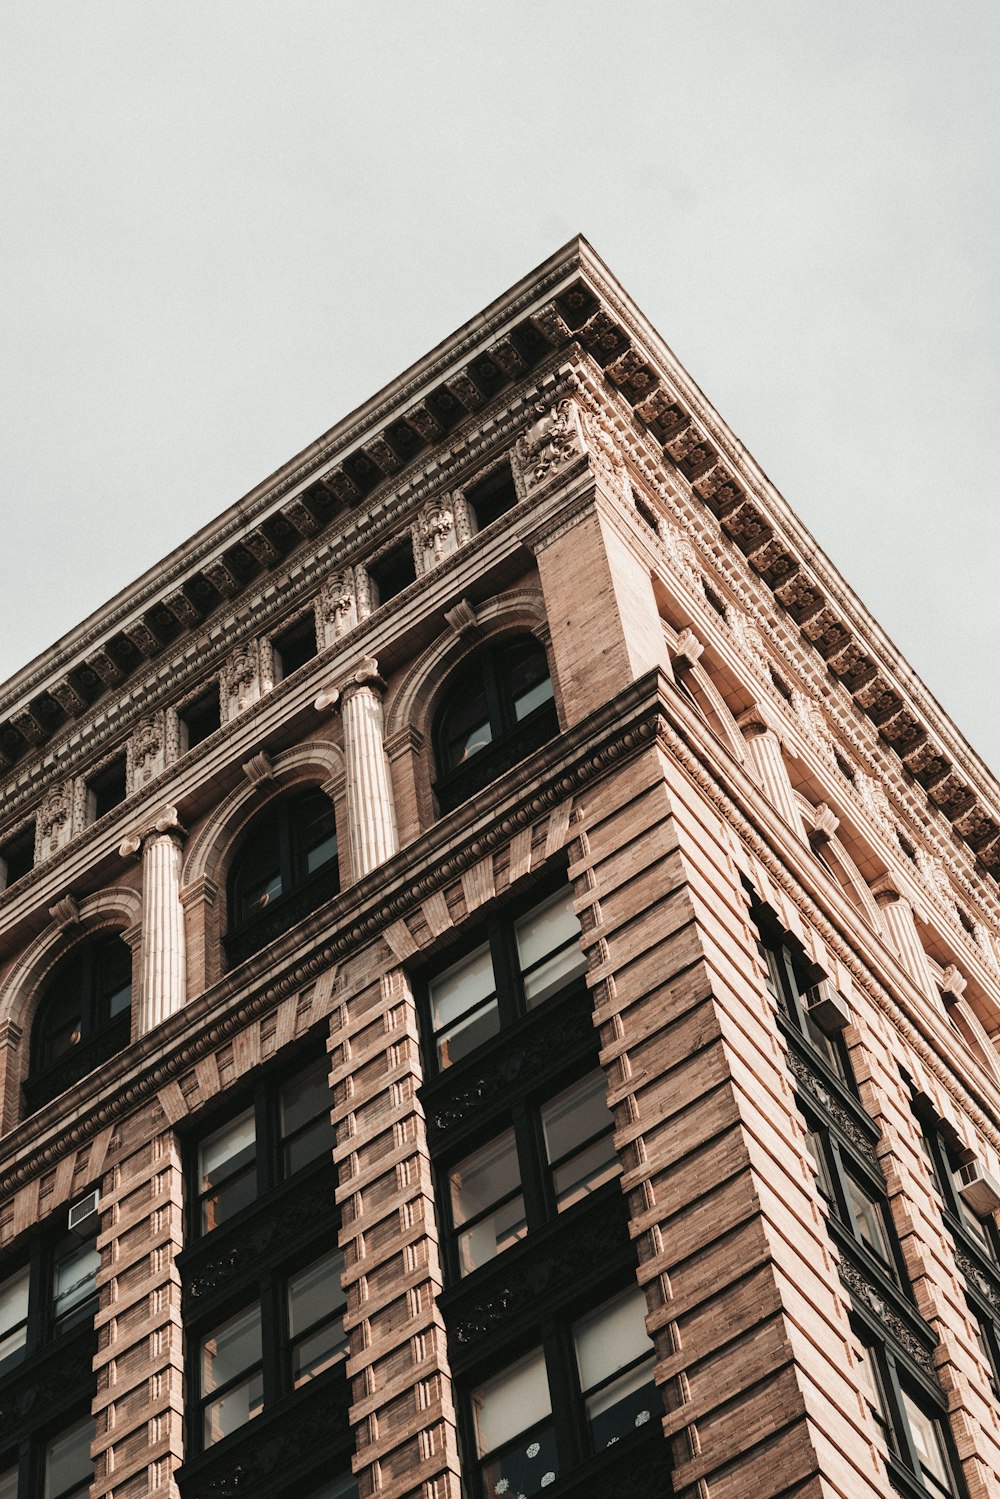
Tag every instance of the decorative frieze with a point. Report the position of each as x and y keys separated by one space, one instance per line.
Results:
x=552 y=444
x=441 y=527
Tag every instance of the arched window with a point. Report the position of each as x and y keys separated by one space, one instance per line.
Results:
x=83 y=1018
x=498 y=707
x=284 y=867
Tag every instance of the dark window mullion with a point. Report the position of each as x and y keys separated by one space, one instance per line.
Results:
x=506 y=972
x=567 y=1406
x=274 y=1340
x=495 y=700
x=266 y=1127
x=527 y=1135
x=287 y=850
x=41 y=1281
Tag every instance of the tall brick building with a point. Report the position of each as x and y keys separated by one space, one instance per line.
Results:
x=499 y=980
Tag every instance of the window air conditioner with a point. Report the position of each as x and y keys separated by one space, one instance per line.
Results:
x=84 y=1216
x=979 y=1188
x=828 y=1008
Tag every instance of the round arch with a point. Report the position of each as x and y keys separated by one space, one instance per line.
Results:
x=318 y=761
x=415 y=701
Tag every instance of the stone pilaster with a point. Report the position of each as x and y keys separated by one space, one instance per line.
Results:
x=371 y=813
x=760 y=732
x=901 y=926
x=336 y=607
x=140 y=1368
x=402 y=1412
x=163 y=957
x=245 y=677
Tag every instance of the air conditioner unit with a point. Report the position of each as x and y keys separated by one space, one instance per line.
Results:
x=84 y=1215
x=979 y=1188
x=828 y=1008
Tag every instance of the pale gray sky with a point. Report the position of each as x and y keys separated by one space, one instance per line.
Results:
x=224 y=223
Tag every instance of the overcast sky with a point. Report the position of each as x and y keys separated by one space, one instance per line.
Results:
x=225 y=223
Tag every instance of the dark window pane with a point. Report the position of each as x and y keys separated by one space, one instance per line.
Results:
x=227 y=1170
x=230 y=1363
x=391 y=574
x=464 y=1006
x=17 y=856
x=295 y=646
x=578 y=1128
x=106 y=789
x=868 y=1221
x=548 y=947
x=615 y=1362
x=316 y=1304
x=14 y=1317
x=74 y=1291
x=306 y=1130
x=199 y=719
x=485 y=1194
x=68 y=1468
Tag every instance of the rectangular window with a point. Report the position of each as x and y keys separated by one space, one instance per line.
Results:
x=227 y=1170
x=74 y=1290
x=199 y=719
x=492 y=496
x=294 y=647
x=8 y=1484
x=232 y=1381
x=487 y=1205
x=304 y=1117
x=14 y=1317
x=595 y=1376
x=615 y=1362
x=17 y=856
x=867 y=1219
x=68 y=1468
x=316 y=1306
x=928 y=1442
x=106 y=789
x=515 y=1438
x=285 y=1129
x=292 y=1335
x=578 y=1126
x=392 y=573
x=548 y=948
x=464 y=1006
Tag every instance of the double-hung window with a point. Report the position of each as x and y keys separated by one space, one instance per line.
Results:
x=587 y=1386
x=282 y=1130
x=290 y=1335
x=519 y=966
x=913 y=1431
x=555 y=1154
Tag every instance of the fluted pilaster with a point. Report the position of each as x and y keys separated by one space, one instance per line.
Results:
x=764 y=744
x=163 y=958
x=901 y=926
x=371 y=811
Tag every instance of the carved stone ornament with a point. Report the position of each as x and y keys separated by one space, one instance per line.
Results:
x=165 y=822
x=811 y=717
x=65 y=913
x=875 y=801
x=987 y=946
x=258 y=769
x=936 y=881
x=825 y=823
x=866 y=1292
x=819 y=1093
x=336 y=607
x=245 y=677
x=681 y=549
x=688 y=650
x=552 y=442
x=462 y=619
x=749 y=639
x=54 y=825
x=146 y=751
x=435 y=532
x=953 y=985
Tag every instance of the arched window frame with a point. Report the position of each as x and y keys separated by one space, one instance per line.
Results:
x=103 y=1031
x=512 y=739
x=302 y=890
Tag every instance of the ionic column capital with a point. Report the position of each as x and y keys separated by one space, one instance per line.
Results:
x=366 y=674
x=760 y=718
x=165 y=824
